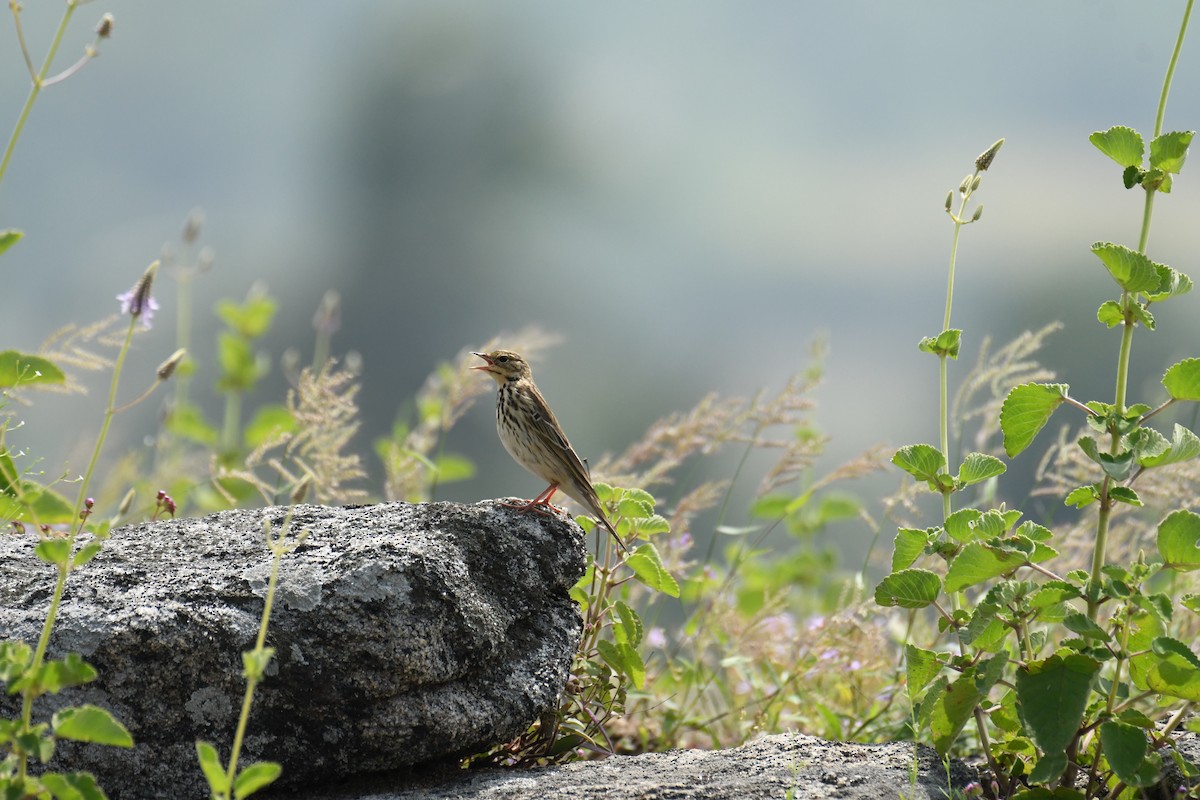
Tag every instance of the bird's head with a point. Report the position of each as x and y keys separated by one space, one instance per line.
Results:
x=504 y=365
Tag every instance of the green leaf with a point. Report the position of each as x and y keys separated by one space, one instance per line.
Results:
x=946 y=343
x=1048 y=768
x=922 y=461
x=22 y=369
x=957 y=703
x=54 y=551
x=920 y=667
x=1172 y=669
x=1083 y=495
x=629 y=631
x=86 y=553
x=72 y=785
x=909 y=544
x=1132 y=271
x=1085 y=627
x=1179 y=540
x=1183 y=380
x=1184 y=446
x=451 y=467
x=1123 y=494
x=1026 y=411
x=88 y=723
x=34 y=501
x=1169 y=150
x=210 y=765
x=1171 y=284
x=9 y=237
x=1110 y=313
x=72 y=670
x=978 y=562
x=1118 y=467
x=250 y=319
x=960 y=525
x=908 y=588
x=978 y=467
x=1142 y=314
x=188 y=423
x=624 y=660
x=1191 y=601
x=1125 y=747
x=255 y=662
x=269 y=422
x=1052 y=695
x=648 y=567
x=656 y=523
x=239 y=367
x=1123 y=145
x=254 y=777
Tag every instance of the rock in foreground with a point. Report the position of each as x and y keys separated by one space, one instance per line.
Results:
x=402 y=633
x=772 y=768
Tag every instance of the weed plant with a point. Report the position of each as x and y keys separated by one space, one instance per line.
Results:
x=1072 y=673
x=1062 y=656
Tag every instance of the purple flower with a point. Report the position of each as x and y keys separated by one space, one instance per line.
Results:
x=656 y=638
x=145 y=309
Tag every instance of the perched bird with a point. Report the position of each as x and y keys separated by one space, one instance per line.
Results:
x=533 y=437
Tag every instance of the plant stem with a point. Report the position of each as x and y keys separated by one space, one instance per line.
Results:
x=64 y=569
x=38 y=81
x=1162 y=100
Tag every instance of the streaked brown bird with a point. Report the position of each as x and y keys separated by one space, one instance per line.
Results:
x=533 y=437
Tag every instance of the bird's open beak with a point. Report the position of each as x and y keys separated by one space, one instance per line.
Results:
x=485 y=358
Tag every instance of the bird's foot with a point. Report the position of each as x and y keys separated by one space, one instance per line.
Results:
x=535 y=505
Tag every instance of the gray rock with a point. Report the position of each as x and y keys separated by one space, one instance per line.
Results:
x=776 y=767
x=403 y=633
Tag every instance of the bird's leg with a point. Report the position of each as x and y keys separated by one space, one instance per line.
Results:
x=539 y=503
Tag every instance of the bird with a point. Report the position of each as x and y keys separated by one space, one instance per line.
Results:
x=532 y=436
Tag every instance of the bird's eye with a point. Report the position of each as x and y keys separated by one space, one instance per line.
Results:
x=502 y=360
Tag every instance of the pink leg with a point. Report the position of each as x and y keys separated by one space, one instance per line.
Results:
x=539 y=503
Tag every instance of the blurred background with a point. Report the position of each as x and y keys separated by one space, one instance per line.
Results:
x=689 y=194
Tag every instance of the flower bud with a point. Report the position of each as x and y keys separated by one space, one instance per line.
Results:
x=978 y=213
x=975 y=183
x=985 y=158
x=167 y=368
x=962 y=187
x=191 y=228
x=126 y=503
x=104 y=29
x=949 y=199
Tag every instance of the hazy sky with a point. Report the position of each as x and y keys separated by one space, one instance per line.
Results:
x=688 y=192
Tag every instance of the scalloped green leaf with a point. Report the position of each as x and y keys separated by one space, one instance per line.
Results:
x=978 y=467
x=1122 y=144
x=945 y=343
x=920 y=667
x=1182 y=380
x=1179 y=540
x=1125 y=748
x=23 y=369
x=1026 y=410
x=1051 y=697
x=922 y=461
x=960 y=525
x=1168 y=151
x=1132 y=271
x=978 y=562
x=1172 y=283
x=647 y=566
x=1172 y=669
x=1123 y=494
x=908 y=546
x=1110 y=314
x=955 y=706
x=1185 y=446
x=908 y=588
x=9 y=237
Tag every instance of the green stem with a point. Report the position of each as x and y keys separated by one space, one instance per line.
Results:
x=64 y=569
x=1162 y=100
x=278 y=549
x=38 y=81
x=233 y=421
